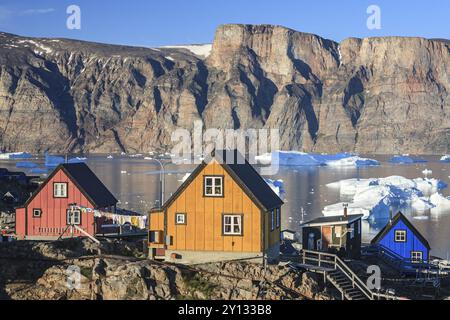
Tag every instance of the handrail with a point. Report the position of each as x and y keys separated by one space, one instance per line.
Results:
x=338 y=263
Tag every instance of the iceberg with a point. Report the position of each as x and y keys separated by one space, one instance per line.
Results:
x=15 y=155
x=26 y=164
x=406 y=159
x=54 y=161
x=373 y=197
x=445 y=158
x=296 y=158
x=277 y=186
x=439 y=201
x=38 y=171
x=353 y=161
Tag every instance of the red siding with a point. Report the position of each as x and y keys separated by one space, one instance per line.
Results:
x=53 y=219
x=20 y=221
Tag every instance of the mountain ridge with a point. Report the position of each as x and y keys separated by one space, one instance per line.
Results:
x=369 y=95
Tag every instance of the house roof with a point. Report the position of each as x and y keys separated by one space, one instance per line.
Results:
x=88 y=183
x=333 y=220
x=399 y=217
x=243 y=173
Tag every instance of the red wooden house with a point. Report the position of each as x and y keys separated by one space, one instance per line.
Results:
x=47 y=213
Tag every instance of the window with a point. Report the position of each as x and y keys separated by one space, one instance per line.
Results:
x=416 y=256
x=337 y=231
x=156 y=237
x=278 y=217
x=37 y=213
x=213 y=186
x=73 y=217
x=232 y=224
x=272 y=220
x=60 y=190
x=400 y=236
x=180 y=218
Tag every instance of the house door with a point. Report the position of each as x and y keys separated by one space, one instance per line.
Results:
x=311 y=241
x=326 y=237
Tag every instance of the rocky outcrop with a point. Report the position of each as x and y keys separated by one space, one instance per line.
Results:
x=113 y=271
x=374 y=95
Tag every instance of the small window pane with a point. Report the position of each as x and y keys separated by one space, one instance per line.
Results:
x=209 y=181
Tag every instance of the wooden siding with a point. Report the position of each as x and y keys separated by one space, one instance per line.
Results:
x=404 y=249
x=53 y=219
x=204 y=215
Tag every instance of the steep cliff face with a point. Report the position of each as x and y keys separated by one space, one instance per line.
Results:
x=375 y=95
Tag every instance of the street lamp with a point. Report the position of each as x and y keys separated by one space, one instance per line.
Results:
x=161 y=180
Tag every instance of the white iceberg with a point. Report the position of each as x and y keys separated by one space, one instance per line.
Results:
x=445 y=158
x=277 y=186
x=439 y=201
x=296 y=158
x=373 y=197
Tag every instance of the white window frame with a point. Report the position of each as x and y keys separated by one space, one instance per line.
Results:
x=232 y=224
x=213 y=186
x=400 y=236
x=415 y=256
x=272 y=220
x=278 y=217
x=60 y=190
x=179 y=215
x=72 y=215
x=35 y=210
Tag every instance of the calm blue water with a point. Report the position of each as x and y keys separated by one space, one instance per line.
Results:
x=135 y=182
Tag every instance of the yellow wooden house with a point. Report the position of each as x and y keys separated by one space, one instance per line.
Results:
x=223 y=211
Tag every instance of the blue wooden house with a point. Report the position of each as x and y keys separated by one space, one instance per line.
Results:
x=402 y=239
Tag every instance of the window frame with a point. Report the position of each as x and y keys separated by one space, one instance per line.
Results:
x=241 y=224
x=272 y=220
x=416 y=260
x=54 y=190
x=184 y=218
x=40 y=212
x=395 y=236
x=278 y=218
x=213 y=186
x=68 y=220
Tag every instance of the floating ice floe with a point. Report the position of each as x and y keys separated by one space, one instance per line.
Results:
x=110 y=157
x=445 y=158
x=15 y=155
x=373 y=197
x=38 y=171
x=406 y=159
x=54 y=161
x=26 y=164
x=427 y=172
x=296 y=158
x=277 y=186
x=439 y=201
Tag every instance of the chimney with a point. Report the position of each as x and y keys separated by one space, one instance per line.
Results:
x=345 y=210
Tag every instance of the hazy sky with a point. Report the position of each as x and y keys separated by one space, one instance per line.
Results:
x=154 y=22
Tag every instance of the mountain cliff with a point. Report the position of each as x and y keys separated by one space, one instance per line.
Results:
x=373 y=95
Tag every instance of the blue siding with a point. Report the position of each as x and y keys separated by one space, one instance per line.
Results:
x=404 y=248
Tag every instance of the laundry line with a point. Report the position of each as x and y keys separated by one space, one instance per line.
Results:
x=134 y=219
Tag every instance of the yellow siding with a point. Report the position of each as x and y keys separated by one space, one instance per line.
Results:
x=203 y=231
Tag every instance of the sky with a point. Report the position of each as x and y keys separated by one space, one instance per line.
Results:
x=170 y=22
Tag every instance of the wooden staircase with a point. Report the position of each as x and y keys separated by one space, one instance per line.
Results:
x=338 y=273
x=345 y=286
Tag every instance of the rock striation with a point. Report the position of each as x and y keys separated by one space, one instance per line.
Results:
x=373 y=95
